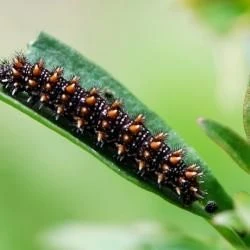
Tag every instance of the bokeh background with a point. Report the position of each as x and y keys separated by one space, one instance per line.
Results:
x=53 y=195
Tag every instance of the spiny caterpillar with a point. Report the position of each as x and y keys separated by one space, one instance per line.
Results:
x=90 y=113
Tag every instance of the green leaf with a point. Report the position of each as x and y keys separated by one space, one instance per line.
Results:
x=56 y=53
x=246 y=112
x=231 y=142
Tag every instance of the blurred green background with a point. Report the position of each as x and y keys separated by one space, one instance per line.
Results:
x=164 y=55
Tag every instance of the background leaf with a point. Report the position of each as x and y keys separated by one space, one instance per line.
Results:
x=246 y=112
x=233 y=144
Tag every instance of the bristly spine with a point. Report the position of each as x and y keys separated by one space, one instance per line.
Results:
x=147 y=156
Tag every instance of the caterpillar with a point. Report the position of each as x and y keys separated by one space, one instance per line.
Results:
x=92 y=114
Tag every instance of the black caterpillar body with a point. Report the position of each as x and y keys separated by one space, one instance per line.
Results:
x=89 y=112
